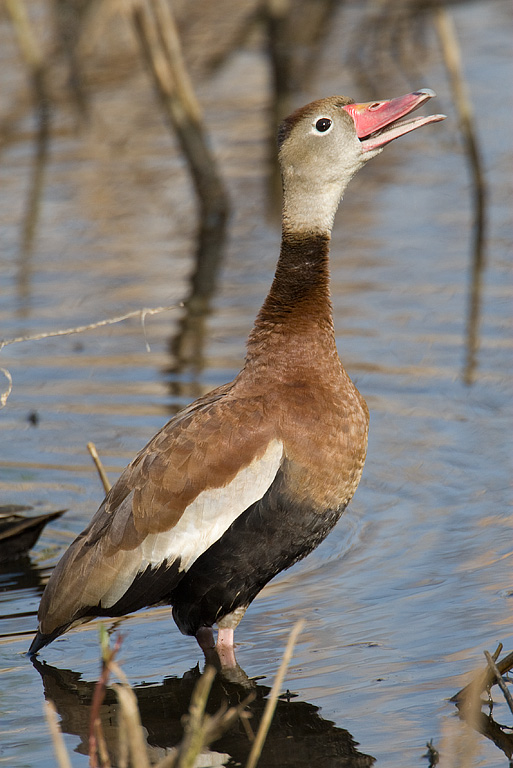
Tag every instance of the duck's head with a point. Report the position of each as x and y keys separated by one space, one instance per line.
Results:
x=323 y=144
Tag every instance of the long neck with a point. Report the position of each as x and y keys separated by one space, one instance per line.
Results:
x=298 y=305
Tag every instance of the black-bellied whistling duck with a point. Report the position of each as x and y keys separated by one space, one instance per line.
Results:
x=250 y=478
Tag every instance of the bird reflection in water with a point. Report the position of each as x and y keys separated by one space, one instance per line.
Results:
x=298 y=736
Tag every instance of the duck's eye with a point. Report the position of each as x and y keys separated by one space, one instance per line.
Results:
x=323 y=124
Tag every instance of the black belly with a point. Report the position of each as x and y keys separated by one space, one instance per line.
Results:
x=270 y=536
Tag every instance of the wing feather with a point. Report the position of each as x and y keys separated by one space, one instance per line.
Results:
x=177 y=497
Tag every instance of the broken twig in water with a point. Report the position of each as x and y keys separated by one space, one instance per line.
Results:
x=486 y=678
x=79 y=329
x=470 y=702
x=500 y=682
x=99 y=466
x=91 y=326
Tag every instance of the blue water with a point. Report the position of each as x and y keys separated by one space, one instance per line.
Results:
x=415 y=583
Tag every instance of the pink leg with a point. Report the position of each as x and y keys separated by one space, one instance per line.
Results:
x=224 y=647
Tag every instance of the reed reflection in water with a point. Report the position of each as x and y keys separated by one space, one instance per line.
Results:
x=298 y=737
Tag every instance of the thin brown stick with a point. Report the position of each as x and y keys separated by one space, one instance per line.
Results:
x=59 y=746
x=90 y=326
x=469 y=702
x=99 y=466
x=267 y=717
x=79 y=329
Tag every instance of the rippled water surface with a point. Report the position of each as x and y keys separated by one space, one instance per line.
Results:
x=416 y=581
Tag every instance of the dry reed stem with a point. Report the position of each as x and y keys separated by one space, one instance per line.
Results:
x=96 y=22
x=195 y=725
x=34 y=58
x=101 y=745
x=132 y=745
x=91 y=326
x=59 y=747
x=142 y=313
x=133 y=726
x=99 y=467
x=265 y=723
x=123 y=749
x=27 y=40
x=169 y=761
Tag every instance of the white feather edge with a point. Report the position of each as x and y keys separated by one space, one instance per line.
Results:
x=203 y=522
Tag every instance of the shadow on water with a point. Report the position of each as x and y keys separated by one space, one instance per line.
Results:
x=298 y=735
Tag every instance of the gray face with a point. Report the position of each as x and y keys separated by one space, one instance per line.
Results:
x=319 y=154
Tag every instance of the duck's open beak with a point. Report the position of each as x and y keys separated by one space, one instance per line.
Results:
x=376 y=121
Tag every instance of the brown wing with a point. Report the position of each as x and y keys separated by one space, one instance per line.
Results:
x=171 y=503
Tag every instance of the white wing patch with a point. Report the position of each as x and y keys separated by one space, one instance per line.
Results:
x=202 y=523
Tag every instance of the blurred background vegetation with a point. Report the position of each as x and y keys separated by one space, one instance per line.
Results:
x=85 y=64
